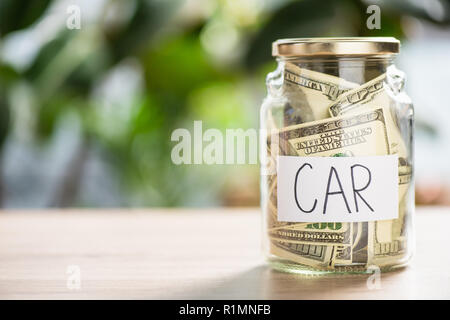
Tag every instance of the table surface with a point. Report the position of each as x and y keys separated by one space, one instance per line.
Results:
x=188 y=254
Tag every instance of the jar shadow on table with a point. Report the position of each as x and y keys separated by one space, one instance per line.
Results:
x=262 y=282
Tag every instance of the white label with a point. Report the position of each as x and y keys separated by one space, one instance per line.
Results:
x=337 y=189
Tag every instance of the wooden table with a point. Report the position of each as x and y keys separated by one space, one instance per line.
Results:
x=192 y=254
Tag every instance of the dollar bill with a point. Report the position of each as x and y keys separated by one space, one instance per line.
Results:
x=360 y=243
x=383 y=235
x=330 y=234
x=307 y=233
x=361 y=134
x=315 y=256
x=373 y=95
x=356 y=252
x=363 y=122
x=309 y=93
x=388 y=239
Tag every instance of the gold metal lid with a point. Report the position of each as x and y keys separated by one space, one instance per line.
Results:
x=308 y=47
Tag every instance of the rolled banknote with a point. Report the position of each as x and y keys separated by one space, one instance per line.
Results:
x=309 y=93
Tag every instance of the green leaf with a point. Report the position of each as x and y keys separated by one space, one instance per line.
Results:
x=19 y=14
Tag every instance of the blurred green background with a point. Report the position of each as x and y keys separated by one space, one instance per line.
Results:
x=86 y=114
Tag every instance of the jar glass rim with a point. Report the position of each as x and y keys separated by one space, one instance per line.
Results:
x=351 y=46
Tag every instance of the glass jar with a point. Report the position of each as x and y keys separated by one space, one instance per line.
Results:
x=337 y=188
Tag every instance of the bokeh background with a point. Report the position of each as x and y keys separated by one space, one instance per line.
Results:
x=86 y=115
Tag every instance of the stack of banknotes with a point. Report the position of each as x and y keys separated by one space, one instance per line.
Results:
x=327 y=116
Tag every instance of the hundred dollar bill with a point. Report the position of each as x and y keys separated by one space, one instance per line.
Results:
x=404 y=174
x=350 y=135
x=316 y=256
x=309 y=93
x=271 y=180
x=307 y=233
x=360 y=243
x=356 y=254
x=277 y=233
x=361 y=134
x=271 y=185
x=272 y=211
x=388 y=239
x=385 y=253
x=373 y=95
x=329 y=234
x=383 y=235
x=326 y=256
x=385 y=231
x=271 y=207
x=306 y=90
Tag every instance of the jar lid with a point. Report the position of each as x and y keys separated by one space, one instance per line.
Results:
x=308 y=47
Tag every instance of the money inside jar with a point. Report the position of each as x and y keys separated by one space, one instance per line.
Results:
x=339 y=194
